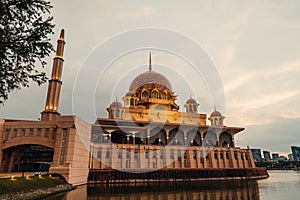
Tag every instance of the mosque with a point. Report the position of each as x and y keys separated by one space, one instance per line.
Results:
x=144 y=138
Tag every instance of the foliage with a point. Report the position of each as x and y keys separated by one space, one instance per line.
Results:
x=19 y=184
x=24 y=44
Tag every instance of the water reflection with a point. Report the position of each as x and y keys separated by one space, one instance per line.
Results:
x=280 y=185
x=214 y=190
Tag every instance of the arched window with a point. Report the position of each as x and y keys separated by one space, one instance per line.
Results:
x=163 y=95
x=127 y=102
x=132 y=102
x=137 y=95
x=216 y=121
x=195 y=108
x=190 y=108
x=154 y=95
x=117 y=113
x=145 y=95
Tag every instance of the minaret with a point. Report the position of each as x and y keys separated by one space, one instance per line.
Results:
x=52 y=101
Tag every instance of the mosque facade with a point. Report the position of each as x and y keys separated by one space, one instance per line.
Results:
x=144 y=133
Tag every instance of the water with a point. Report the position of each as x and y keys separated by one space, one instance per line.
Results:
x=281 y=185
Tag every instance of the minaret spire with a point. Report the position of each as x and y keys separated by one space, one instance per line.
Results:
x=54 y=87
x=150 y=64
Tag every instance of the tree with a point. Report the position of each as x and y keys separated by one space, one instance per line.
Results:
x=24 y=44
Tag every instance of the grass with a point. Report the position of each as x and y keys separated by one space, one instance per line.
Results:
x=18 y=184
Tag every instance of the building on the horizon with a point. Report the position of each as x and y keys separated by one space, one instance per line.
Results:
x=145 y=133
x=267 y=155
x=296 y=152
x=290 y=157
x=256 y=153
x=275 y=156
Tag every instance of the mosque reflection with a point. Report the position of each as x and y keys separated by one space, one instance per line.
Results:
x=214 y=190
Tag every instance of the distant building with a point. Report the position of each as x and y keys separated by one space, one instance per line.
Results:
x=267 y=155
x=290 y=157
x=256 y=154
x=275 y=156
x=296 y=152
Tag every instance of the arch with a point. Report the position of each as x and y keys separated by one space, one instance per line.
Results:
x=154 y=94
x=210 y=139
x=176 y=137
x=163 y=96
x=132 y=103
x=158 y=136
x=127 y=103
x=137 y=94
x=118 y=138
x=159 y=107
x=26 y=158
x=145 y=94
x=194 y=138
x=117 y=113
x=225 y=140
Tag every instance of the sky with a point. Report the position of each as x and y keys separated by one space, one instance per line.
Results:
x=253 y=46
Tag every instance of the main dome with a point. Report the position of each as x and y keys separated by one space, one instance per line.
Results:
x=150 y=79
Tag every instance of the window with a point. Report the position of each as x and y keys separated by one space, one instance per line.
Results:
x=54 y=134
x=31 y=132
x=127 y=102
x=145 y=95
x=172 y=154
x=235 y=156
x=147 y=154
x=46 y=135
x=14 y=133
x=120 y=154
x=22 y=132
x=227 y=156
x=161 y=154
x=6 y=134
x=63 y=145
x=107 y=154
x=117 y=113
x=154 y=154
x=195 y=108
x=221 y=155
x=163 y=96
x=132 y=102
x=99 y=154
x=136 y=154
x=39 y=132
x=195 y=154
x=178 y=154
x=128 y=153
x=154 y=95
x=216 y=121
x=216 y=156
x=137 y=94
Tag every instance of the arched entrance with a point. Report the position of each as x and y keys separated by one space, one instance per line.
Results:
x=27 y=158
x=225 y=140
x=176 y=137
x=158 y=136
x=210 y=139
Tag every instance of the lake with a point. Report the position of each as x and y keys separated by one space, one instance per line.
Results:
x=280 y=185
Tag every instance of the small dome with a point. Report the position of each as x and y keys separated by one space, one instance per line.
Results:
x=130 y=94
x=150 y=80
x=190 y=100
x=116 y=104
x=216 y=114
